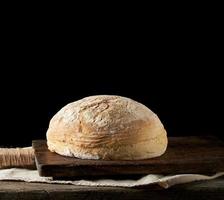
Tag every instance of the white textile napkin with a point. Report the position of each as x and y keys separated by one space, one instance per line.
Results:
x=164 y=181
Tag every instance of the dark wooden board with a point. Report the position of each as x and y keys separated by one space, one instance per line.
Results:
x=203 y=190
x=184 y=155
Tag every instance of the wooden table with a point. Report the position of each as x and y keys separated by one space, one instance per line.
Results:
x=209 y=190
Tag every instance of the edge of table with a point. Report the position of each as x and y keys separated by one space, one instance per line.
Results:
x=212 y=189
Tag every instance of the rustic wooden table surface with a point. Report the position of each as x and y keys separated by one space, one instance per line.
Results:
x=209 y=190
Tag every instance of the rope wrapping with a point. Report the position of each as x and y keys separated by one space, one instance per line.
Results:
x=17 y=157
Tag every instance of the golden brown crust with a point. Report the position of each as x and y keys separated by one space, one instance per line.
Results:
x=107 y=127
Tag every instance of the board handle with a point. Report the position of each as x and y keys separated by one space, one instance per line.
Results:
x=17 y=157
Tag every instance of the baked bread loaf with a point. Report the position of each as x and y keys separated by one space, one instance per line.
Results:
x=106 y=127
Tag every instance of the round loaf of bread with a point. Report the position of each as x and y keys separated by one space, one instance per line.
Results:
x=107 y=127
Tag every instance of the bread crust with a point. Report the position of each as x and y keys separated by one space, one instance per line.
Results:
x=107 y=127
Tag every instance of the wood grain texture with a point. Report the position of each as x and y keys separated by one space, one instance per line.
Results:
x=213 y=189
x=184 y=155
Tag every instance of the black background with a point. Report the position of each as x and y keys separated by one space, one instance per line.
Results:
x=174 y=68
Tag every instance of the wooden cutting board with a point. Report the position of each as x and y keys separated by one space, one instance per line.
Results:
x=184 y=155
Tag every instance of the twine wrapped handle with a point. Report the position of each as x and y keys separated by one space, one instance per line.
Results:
x=17 y=157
